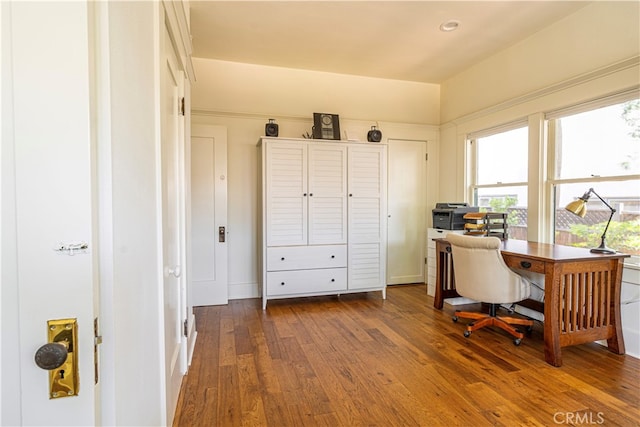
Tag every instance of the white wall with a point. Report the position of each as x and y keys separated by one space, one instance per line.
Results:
x=630 y=311
x=223 y=86
x=242 y=97
x=596 y=36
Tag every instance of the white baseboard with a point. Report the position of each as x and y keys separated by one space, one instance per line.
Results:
x=244 y=290
x=192 y=336
x=459 y=301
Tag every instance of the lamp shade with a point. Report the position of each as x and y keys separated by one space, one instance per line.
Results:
x=578 y=207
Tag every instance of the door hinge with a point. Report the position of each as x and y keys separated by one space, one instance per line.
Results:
x=97 y=340
x=185 y=330
x=426 y=156
x=181 y=106
x=425 y=260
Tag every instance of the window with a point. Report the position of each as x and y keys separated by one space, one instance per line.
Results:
x=499 y=175
x=599 y=149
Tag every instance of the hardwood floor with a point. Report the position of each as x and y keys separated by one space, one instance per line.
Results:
x=358 y=360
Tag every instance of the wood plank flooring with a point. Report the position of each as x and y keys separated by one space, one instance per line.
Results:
x=358 y=360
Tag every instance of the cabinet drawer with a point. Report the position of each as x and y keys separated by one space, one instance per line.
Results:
x=306 y=257
x=306 y=281
x=431 y=269
x=526 y=264
x=435 y=233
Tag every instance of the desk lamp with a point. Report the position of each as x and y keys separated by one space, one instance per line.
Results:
x=579 y=207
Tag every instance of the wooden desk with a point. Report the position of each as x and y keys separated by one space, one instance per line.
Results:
x=581 y=298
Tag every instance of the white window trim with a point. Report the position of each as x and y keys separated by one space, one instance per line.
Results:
x=552 y=181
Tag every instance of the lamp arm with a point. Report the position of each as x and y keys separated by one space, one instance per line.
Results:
x=602 y=200
x=604 y=233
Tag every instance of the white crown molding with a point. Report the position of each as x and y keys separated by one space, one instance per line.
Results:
x=179 y=31
x=540 y=93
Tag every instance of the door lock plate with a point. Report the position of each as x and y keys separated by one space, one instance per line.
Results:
x=63 y=380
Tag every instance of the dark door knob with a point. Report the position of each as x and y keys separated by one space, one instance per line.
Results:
x=51 y=355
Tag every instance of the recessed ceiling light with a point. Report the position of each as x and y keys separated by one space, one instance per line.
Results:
x=450 y=25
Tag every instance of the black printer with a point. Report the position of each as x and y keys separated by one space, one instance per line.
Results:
x=449 y=216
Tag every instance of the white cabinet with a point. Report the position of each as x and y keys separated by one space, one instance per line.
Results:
x=324 y=217
x=306 y=191
x=434 y=233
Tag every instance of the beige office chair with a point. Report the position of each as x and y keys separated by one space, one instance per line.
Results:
x=482 y=275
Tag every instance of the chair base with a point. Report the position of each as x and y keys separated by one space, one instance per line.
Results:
x=483 y=320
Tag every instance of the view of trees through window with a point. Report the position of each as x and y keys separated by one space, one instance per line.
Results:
x=501 y=178
x=599 y=149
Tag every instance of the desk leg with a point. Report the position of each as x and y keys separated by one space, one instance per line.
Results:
x=552 y=351
x=438 y=299
x=615 y=343
x=445 y=281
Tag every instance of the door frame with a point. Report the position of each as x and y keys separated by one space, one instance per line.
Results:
x=132 y=354
x=393 y=142
x=125 y=128
x=219 y=136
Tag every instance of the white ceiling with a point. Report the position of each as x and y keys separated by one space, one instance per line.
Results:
x=387 y=39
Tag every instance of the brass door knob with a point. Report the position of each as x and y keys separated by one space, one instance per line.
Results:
x=51 y=355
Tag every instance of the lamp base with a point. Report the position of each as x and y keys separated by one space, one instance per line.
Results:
x=604 y=250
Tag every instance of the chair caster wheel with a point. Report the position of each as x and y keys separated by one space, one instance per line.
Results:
x=517 y=341
x=454 y=318
x=467 y=334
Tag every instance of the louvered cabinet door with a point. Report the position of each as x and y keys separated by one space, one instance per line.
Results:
x=327 y=194
x=286 y=194
x=366 y=190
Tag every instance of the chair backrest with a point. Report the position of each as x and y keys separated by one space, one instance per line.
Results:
x=481 y=273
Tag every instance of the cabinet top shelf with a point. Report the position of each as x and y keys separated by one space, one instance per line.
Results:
x=334 y=141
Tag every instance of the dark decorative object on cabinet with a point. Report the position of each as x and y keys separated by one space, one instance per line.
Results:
x=326 y=126
x=374 y=135
x=271 y=128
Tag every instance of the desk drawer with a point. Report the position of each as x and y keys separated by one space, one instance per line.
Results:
x=520 y=263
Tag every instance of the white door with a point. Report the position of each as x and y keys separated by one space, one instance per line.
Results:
x=209 y=284
x=172 y=88
x=47 y=206
x=407 y=210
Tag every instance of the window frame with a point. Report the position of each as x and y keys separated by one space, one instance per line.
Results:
x=472 y=139
x=472 y=152
x=552 y=182
x=541 y=162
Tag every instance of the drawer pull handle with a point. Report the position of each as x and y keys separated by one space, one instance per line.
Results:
x=525 y=264
x=333 y=256
x=281 y=283
x=310 y=194
x=304 y=194
x=282 y=259
x=333 y=280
